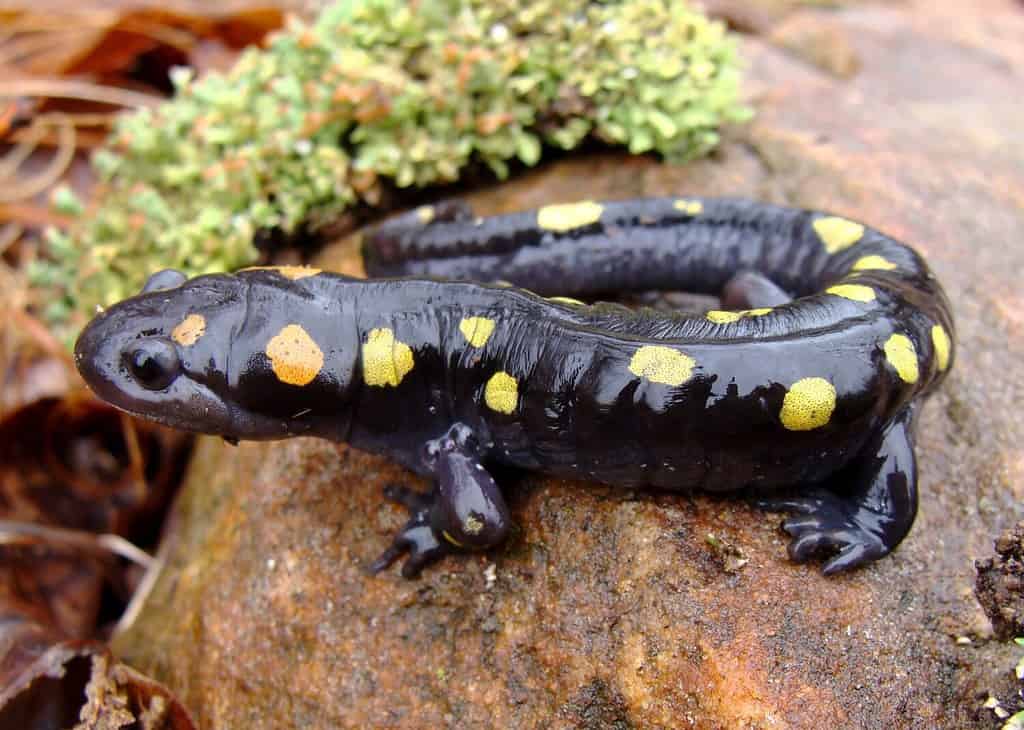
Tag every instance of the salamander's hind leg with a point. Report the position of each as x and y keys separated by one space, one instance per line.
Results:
x=464 y=511
x=750 y=290
x=869 y=512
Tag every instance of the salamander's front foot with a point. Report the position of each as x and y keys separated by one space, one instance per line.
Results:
x=465 y=511
x=416 y=538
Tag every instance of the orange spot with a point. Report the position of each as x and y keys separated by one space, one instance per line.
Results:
x=295 y=357
x=189 y=330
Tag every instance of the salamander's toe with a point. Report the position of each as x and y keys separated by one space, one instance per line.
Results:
x=826 y=524
x=416 y=538
x=412 y=500
x=849 y=557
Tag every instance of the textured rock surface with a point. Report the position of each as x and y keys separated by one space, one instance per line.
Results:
x=1000 y=584
x=619 y=609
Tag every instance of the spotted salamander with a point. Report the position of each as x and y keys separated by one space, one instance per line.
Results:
x=801 y=389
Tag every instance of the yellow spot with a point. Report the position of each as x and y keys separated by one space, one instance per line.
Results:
x=451 y=539
x=873 y=262
x=472 y=525
x=569 y=215
x=294 y=357
x=477 y=330
x=900 y=353
x=288 y=272
x=719 y=316
x=808 y=404
x=501 y=393
x=855 y=292
x=940 y=341
x=567 y=300
x=189 y=330
x=838 y=233
x=425 y=213
x=385 y=360
x=690 y=207
x=661 y=364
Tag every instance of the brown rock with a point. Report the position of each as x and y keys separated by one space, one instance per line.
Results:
x=820 y=40
x=750 y=16
x=1000 y=584
x=614 y=609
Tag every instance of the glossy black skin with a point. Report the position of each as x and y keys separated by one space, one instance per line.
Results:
x=579 y=411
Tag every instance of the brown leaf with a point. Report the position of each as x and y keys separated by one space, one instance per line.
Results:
x=76 y=463
x=104 y=39
x=42 y=676
x=47 y=681
x=32 y=214
x=59 y=591
x=248 y=25
x=31 y=373
x=14 y=113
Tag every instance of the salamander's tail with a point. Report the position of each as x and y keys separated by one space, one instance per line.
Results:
x=752 y=254
x=591 y=248
x=689 y=244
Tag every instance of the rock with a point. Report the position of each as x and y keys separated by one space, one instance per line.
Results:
x=1000 y=584
x=818 y=39
x=750 y=16
x=611 y=608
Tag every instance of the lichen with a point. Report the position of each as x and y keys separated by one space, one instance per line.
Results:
x=378 y=93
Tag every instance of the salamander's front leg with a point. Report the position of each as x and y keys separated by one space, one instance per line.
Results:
x=750 y=289
x=465 y=510
x=869 y=512
x=416 y=538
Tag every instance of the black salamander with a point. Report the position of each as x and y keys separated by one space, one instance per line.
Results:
x=809 y=375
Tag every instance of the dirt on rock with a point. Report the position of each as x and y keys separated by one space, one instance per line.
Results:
x=620 y=609
x=1000 y=584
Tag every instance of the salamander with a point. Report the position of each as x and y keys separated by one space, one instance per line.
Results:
x=800 y=389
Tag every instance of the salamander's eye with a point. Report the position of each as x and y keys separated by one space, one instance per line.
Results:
x=164 y=279
x=153 y=363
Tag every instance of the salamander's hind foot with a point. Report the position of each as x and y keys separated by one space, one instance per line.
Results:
x=828 y=523
x=417 y=538
x=870 y=511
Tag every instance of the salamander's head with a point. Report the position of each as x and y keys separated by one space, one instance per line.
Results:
x=163 y=354
x=260 y=354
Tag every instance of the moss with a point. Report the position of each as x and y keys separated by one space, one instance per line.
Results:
x=382 y=92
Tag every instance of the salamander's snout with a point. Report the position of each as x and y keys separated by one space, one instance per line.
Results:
x=127 y=342
x=97 y=355
x=152 y=356
x=115 y=360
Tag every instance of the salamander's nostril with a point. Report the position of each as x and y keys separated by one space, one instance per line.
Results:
x=86 y=351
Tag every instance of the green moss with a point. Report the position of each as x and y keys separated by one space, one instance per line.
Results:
x=382 y=92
